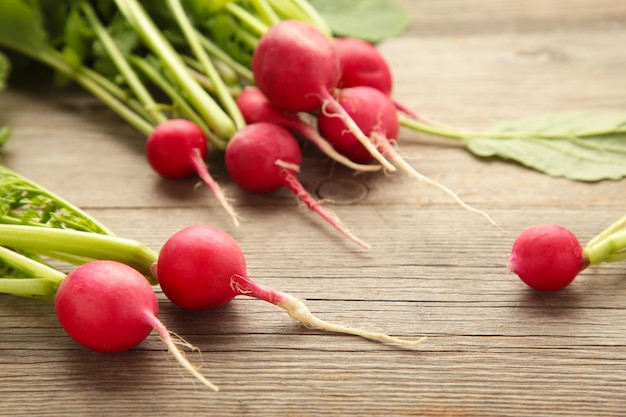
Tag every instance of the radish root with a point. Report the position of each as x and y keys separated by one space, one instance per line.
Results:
x=167 y=338
x=289 y=171
x=202 y=170
x=298 y=311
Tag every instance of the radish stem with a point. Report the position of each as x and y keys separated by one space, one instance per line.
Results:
x=86 y=244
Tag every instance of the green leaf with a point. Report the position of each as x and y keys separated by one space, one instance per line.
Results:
x=580 y=146
x=5 y=68
x=5 y=133
x=21 y=26
x=370 y=20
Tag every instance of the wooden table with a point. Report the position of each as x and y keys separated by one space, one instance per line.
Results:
x=494 y=347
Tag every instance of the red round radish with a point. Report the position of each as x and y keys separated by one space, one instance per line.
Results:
x=109 y=307
x=195 y=267
x=547 y=257
x=171 y=146
x=375 y=115
x=202 y=266
x=263 y=157
x=361 y=64
x=295 y=66
x=373 y=112
x=94 y=305
x=252 y=154
x=176 y=149
x=255 y=108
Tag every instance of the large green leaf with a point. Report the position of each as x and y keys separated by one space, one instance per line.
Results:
x=21 y=26
x=576 y=145
x=371 y=20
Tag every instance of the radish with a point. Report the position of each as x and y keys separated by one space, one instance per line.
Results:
x=176 y=149
x=375 y=114
x=362 y=64
x=203 y=267
x=255 y=108
x=296 y=67
x=547 y=257
x=262 y=157
x=109 y=307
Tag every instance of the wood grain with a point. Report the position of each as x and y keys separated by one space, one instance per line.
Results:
x=494 y=348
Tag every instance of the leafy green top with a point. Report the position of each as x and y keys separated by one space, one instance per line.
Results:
x=26 y=203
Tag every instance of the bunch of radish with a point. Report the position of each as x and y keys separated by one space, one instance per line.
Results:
x=107 y=302
x=345 y=83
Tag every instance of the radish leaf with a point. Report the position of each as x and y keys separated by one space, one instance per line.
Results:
x=21 y=26
x=5 y=67
x=24 y=202
x=5 y=132
x=576 y=145
x=370 y=20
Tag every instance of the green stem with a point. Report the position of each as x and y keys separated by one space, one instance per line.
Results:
x=303 y=10
x=41 y=281
x=451 y=133
x=265 y=11
x=81 y=76
x=218 y=53
x=89 y=245
x=156 y=41
x=247 y=19
x=608 y=245
x=619 y=224
x=195 y=68
x=221 y=90
x=609 y=249
x=179 y=101
x=123 y=66
x=29 y=287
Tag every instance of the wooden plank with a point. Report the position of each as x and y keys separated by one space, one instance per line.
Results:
x=494 y=347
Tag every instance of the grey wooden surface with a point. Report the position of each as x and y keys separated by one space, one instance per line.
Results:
x=494 y=347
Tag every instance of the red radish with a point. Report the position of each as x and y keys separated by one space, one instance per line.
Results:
x=372 y=111
x=262 y=157
x=176 y=149
x=202 y=267
x=362 y=64
x=109 y=307
x=547 y=257
x=296 y=67
x=255 y=108
x=376 y=116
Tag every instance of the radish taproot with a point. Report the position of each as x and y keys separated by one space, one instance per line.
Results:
x=376 y=116
x=109 y=307
x=297 y=68
x=202 y=267
x=176 y=149
x=262 y=157
x=256 y=107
